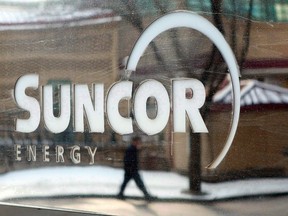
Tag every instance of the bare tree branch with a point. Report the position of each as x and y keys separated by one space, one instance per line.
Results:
x=233 y=28
x=246 y=35
x=135 y=19
x=216 y=8
x=182 y=58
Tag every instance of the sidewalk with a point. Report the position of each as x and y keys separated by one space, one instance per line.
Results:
x=100 y=181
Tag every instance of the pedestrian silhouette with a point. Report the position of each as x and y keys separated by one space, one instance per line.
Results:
x=132 y=170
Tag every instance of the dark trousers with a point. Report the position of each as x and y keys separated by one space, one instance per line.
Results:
x=135 y=175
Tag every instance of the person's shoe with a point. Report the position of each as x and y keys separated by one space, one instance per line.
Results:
x=150 y=198
x=120 y=196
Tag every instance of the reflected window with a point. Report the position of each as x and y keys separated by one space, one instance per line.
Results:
x=262 y=10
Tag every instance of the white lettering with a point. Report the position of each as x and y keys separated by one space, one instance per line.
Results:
x=91 y=153
x=119 y=91
x=60 y=123
x=75 y=157
x=94 y=112
x=74 y=154
x=189 y=106
x=94 y=107
x=27 y=103
x=151 y=88
x=17 y=149
x=31 y=152
x=45 y=151
x=59 y=154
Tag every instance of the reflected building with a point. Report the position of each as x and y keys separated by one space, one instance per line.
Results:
x=259 y=149
x=67 y=44
x=88 y=42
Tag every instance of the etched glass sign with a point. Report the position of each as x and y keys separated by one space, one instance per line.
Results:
x=132 y=107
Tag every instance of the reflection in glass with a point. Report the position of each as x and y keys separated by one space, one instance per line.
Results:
x=86 y=42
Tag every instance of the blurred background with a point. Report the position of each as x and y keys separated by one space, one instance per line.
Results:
x=85 y=42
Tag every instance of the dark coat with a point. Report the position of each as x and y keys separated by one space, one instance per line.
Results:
x=131 y=160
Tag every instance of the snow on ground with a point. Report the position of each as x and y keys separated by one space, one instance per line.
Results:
x=101 y=180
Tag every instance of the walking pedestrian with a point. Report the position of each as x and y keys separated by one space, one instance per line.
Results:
x=132 y=170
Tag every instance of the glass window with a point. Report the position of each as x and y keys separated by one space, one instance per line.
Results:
x=159 y=122
x=268 y=10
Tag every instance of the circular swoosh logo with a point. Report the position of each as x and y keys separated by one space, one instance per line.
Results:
x=191 y=20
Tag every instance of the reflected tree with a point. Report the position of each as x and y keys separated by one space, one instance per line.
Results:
x=214 y=70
